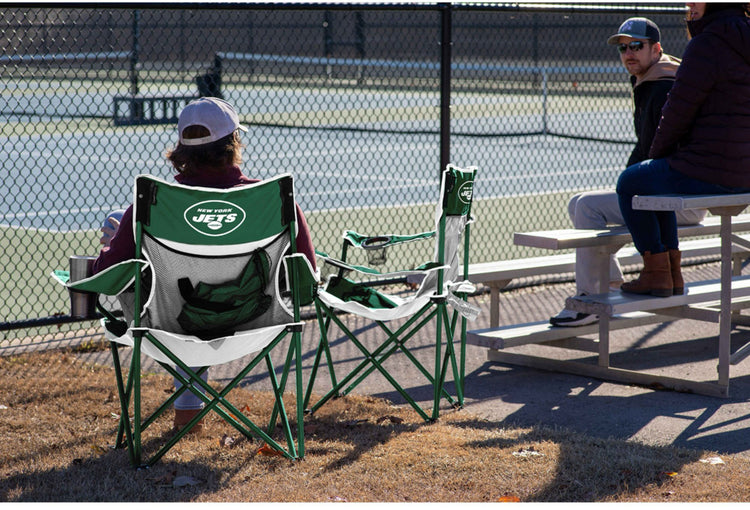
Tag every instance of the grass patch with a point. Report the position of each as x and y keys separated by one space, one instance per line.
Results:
x=59 y=415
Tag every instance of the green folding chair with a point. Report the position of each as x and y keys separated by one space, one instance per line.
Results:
x=439 y=290
x=216 y=277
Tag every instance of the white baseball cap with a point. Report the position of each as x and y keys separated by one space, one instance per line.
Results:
x=212 y=113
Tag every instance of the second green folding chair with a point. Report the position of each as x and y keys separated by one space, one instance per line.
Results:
x=440 y=292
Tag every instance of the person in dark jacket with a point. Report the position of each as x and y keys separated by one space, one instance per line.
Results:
x=652 y=74
x=702 y=144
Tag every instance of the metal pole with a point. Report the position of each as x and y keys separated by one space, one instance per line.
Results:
x=328 y=39
x=134 y=53
x=136 y=107
x=359 y=41
x=446 y=42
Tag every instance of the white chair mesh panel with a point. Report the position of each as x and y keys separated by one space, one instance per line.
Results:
x=170 y=266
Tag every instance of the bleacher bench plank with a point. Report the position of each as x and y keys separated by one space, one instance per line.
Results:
x=564 y=239
x=615 y=303
x=542 y=332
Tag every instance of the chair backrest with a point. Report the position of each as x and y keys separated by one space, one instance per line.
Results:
x=456 y=197
x=215 y=255
x=452 y=219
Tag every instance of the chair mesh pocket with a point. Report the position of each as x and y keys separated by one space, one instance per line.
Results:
x=214 y=310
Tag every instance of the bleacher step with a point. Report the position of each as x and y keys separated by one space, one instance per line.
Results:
x=616 y=303
x=540 y=332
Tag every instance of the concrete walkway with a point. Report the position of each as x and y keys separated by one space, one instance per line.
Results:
x=516 y=396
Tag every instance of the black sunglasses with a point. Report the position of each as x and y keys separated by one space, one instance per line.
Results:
x=633 y=45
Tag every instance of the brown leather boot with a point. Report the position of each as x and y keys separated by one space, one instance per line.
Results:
x=655 y=278
x=675 y=261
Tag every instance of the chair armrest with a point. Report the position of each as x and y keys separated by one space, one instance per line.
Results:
x=300 y=271
x=111 y=282
x=382 y=241
x=421 y=269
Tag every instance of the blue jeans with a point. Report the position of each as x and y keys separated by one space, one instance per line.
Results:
x=656 y=231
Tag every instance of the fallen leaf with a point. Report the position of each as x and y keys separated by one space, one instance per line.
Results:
x=391 y=418
x=166 y=479
x=99 y=450
x=669 y=473
x=353 y=423
x=185 y=481
x=244 y=409
x=508 y=498
x=528 y=452
x=226 y=441
x=268 y=451
x=712 y=460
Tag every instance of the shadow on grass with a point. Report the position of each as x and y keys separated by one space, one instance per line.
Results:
x=584 y=470
x=590 y=469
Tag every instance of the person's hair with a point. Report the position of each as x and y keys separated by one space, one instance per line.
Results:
x=661 y=48
x=215 y=155
x=712 y=7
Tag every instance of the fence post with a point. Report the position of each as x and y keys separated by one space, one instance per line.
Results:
x=136 y=108
x=446 y=43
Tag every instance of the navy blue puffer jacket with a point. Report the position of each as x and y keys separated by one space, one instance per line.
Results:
x=704 y=131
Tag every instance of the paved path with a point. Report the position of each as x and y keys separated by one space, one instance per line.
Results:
x=517 y=396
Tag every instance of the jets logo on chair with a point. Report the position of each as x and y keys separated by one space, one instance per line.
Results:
x=466 y=192
x=215 y=217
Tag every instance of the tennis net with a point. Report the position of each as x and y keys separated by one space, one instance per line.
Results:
x=62 y=85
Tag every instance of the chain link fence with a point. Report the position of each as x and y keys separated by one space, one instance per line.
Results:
x=362 y=104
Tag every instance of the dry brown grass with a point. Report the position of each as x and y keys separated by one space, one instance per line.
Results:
x=58 y=416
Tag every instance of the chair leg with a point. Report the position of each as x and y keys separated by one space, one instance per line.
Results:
x=124 y=425
x=370 y=358
x=323 y=348
x=216 y=401
x=135 y=373
x=396 y=341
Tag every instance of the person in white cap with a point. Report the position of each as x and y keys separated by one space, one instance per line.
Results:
x=208 y=154
x=652 y=73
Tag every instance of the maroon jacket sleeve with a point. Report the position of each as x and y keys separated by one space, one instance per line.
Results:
x=304 y=240
x=121 y=247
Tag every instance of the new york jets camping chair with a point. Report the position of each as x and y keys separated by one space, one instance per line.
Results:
x=215 y=278
x=440 y=292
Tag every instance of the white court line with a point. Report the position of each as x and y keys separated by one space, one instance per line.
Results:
x=56 y=212
x=47 y=230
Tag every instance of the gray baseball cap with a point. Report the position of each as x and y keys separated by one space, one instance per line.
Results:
x=637 y=28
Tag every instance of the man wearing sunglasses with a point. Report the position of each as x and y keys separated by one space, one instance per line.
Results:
x=652 y=73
